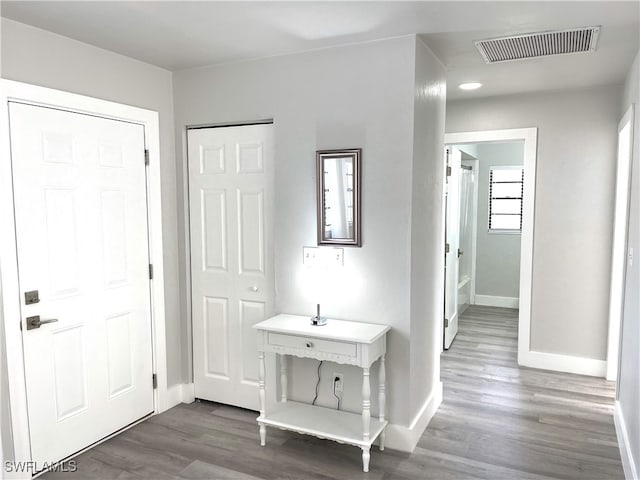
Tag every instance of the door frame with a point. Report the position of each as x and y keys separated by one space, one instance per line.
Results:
x=10 y=331
x=446 y=196
x=530 y=138
x=619 y=248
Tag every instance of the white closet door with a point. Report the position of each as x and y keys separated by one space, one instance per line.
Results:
x=454 y=158
x=230 y=199
x=81 y=228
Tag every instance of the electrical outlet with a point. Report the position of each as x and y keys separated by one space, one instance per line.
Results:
x=336 y=257
x=338 y=383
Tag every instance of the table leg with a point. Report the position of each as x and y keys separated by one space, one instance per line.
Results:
x=366 y=456
x=366 y=404
x=382 y=398
x=283 y=378
x=263 y=399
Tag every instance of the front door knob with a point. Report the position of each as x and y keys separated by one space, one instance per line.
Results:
x=35 y=322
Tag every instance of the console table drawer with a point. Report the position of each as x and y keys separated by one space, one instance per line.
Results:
x=313 y=344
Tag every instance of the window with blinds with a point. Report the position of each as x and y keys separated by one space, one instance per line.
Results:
x=505 y=198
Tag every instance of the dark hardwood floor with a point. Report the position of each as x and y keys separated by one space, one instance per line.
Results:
x=497 y=421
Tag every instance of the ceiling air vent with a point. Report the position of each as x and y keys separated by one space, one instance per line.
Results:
x=540 y=44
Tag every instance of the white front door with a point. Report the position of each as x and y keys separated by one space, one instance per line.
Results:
x=230 y=200
x=454 y=158
x=81 y=231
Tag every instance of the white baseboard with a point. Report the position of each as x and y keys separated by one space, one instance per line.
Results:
x=405 y=439
x=563 y=363
x=174 y=395
x=188 y=393
x=628 y=462
x=493 y=301
x=180 y=393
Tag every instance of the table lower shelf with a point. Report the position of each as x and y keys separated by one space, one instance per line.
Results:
x=321 y=422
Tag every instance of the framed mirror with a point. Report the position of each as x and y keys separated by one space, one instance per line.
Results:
x=338 y=184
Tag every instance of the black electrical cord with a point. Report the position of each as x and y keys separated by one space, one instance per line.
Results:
x=318 y=383
x=334 y=393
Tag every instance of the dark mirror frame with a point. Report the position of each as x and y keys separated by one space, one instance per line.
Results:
x=356 y=155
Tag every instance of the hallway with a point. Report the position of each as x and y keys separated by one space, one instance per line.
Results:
x=501 y=421
x=496 y=421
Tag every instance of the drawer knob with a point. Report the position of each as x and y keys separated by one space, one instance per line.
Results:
x=309 y=344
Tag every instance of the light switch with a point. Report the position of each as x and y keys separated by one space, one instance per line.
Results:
x=316 y=257
x=310 y=256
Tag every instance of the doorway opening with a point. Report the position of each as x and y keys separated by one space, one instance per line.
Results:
x=489 y=198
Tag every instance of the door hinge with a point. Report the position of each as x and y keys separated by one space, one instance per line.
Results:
x=446 y=323
x=146 y=157
x=448 y=171
x=150 y=272
x=447 y=248
x=154 y=379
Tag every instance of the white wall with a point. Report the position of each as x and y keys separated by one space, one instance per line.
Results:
x=573 y=211
x=352 y=96
x=629 y=380
x=497 y=254
x=39 y=57
x=427 y=232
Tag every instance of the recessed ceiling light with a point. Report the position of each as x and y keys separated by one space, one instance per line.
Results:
x=469 y=86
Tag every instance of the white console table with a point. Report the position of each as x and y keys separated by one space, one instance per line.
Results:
x=338 y=341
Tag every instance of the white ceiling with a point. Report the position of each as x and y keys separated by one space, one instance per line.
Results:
x=179 y=35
